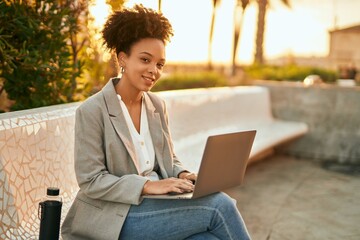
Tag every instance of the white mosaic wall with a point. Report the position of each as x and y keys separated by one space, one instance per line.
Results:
x=36 y=151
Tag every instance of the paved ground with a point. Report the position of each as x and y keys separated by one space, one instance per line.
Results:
x=286 y=198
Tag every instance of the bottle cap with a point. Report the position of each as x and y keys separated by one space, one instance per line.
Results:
x=52 y=191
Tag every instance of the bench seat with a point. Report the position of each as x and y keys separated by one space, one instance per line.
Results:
x=197 y=113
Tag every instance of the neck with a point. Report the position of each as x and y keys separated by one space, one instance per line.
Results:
x=128 y=95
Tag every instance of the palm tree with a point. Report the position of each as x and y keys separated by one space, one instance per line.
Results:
x=238 y=20
x=213 y=14
x=262 y=5
x=159 y=5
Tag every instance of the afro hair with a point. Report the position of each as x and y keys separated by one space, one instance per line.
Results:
x=125 y=27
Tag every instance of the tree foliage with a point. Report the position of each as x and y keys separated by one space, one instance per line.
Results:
x=115 y=4
x=38 y=63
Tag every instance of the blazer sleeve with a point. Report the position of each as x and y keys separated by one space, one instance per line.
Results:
x=92 y=174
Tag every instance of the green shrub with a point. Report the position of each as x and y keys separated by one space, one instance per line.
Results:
x=288 y=73
x=39 y=64
x=189 y=80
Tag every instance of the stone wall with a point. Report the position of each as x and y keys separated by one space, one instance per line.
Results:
x=332 y=114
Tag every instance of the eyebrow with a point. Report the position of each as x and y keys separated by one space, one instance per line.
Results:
x=147 y=53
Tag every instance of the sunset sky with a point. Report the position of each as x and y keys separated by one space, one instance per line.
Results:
x=301 y=30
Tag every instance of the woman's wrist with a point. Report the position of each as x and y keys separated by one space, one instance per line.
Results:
x=145 y=188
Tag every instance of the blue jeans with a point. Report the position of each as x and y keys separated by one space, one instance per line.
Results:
x=211 y=217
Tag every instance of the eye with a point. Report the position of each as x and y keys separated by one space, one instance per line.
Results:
x=160 y=65
x=145 y=60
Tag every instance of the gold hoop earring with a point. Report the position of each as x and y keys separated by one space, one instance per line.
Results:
x=122 y=69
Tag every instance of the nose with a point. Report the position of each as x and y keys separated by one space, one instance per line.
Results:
x=152 y=68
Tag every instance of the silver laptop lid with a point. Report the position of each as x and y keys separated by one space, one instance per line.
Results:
x=224 y=162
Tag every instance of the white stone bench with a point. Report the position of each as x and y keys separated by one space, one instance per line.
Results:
x=37 y=145
x=197 y=113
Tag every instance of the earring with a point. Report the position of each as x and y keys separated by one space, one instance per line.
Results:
x=122 y=69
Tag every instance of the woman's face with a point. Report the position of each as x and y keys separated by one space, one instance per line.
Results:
x=144 y=64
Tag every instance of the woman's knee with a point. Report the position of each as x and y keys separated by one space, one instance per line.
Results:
x=222 y=202
x=223 y=199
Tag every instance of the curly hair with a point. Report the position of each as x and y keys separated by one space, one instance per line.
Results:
x=125 y=27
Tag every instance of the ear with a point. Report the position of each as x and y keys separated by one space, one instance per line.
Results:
x=122 y=57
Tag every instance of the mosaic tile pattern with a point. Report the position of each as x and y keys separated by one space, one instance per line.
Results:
x=36 y=151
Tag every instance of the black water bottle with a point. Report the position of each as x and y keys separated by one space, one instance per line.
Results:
x=50 y=215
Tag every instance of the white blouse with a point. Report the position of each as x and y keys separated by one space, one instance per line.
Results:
x=142 y=141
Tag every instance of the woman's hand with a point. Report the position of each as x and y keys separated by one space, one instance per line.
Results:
x=189 y=176
x=168 y=185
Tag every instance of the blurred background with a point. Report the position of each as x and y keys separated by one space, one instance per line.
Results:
x=51 y=51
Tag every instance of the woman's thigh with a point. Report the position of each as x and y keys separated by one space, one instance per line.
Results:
x=180 y=219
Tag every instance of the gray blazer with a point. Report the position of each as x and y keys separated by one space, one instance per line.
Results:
x=104 y=164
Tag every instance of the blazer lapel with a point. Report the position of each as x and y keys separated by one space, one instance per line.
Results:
x=156 y=132
x=118 y=120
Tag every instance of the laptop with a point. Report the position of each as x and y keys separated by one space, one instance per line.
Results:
x=222 y=166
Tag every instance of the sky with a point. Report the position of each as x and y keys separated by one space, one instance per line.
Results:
x=301 y=30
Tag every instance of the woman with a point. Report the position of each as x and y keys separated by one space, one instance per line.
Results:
x=123 y=150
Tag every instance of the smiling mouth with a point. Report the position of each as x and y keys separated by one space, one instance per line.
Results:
x=149 y=79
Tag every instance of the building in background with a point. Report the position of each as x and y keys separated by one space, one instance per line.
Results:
x=344 y=52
